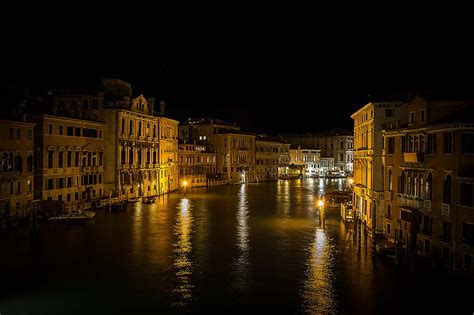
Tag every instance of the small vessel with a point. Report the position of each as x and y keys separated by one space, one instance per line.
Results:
x=149 y=200
x=73 y=217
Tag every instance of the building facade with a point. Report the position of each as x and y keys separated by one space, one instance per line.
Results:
x=196 y=165
x=235 y=153
x=69 y=161
x=305 y=162
x=169 y=164
x=369 y=121
x=429 y=182
x=272 y=158
x=16 y=170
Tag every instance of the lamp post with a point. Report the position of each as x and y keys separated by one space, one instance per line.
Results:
x=321 y=212
x=185 y=184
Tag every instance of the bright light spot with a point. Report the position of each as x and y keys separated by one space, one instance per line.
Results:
x=185 y=183
x=351 y=181
x=320 y=203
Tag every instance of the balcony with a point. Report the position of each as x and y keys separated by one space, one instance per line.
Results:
x=9 y=175
x=388 y=215
x=414 y=157
x=427 y=205
x=445 y=209
x=388 y=195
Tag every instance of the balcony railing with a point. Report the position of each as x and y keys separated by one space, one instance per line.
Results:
x=9 y=175
x=445 y=209
x=427 y=205
x=414 y=157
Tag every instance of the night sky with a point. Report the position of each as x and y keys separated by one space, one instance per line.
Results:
x=266 y=80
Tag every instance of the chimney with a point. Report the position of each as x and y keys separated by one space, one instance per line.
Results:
x=162 y=108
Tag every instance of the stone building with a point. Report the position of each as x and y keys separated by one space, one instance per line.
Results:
x=197 y=166
x=272 y=158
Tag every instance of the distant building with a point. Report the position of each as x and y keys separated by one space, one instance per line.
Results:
x=305 y=162
x=16 y=169
x=429 y=181
x=335 y=143
x=199 y=129
x=369 y=123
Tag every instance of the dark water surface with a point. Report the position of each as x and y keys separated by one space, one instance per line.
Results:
x=255 y=248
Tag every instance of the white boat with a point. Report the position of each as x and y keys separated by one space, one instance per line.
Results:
x=73 y=217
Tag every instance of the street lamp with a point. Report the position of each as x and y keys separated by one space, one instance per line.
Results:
x=351 y=180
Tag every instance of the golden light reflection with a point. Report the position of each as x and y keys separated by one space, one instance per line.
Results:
x=242 y=263
x=182 y=263
x=318 y=291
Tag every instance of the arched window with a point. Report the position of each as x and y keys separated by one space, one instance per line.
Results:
x=401 y=183
x=390 y=186
x=123 y=125
x=447 y=189
x=122 y=156
x=10 y=161
x=18 y=163
x=130 y=156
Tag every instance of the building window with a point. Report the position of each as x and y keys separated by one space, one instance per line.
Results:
x=422 y=115
x=412 y=117
x=427 y=225
x=468 y=233
x=467 y=263
x=60 y=159
x=447 y=189
x=11 y=133
x=50 y=184
x=29 y=163
x=30 y=134
x=403 y=144
x=68 y=197
x=18 y=134
x=388 y=229
x=70 y=131
x=390 y=185
x=389 y=211
x=131 y=127
x=50 y=159
x=446 y=236
x=391 y=145
x=50 y=129
x=448 y=142
x=466 y=195
x=468 y=143
x=390 y=112
x=431 y=144
x=61 y=129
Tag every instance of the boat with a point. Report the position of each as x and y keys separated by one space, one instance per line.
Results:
x=347 y=212
x=73 y=217
x=149 y=200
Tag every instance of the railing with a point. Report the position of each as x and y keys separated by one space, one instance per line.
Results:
x=427 y=205
x=445 y=209
x=9 y=175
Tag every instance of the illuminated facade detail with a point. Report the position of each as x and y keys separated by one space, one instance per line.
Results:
x=16 y=169
x=305 y=162
x=69 y=168
x=369 y=122
x=429 y=181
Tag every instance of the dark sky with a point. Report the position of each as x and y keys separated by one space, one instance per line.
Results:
x=270 y=79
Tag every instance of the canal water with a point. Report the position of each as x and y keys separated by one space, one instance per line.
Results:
x=255 y=248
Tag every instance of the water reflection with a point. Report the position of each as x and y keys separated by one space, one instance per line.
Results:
x=242 y=263
x=318 y=291
x=183 y=286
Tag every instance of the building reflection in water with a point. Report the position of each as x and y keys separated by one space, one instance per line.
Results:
x=182 y=263
x=242 y=263
x=318 y=292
